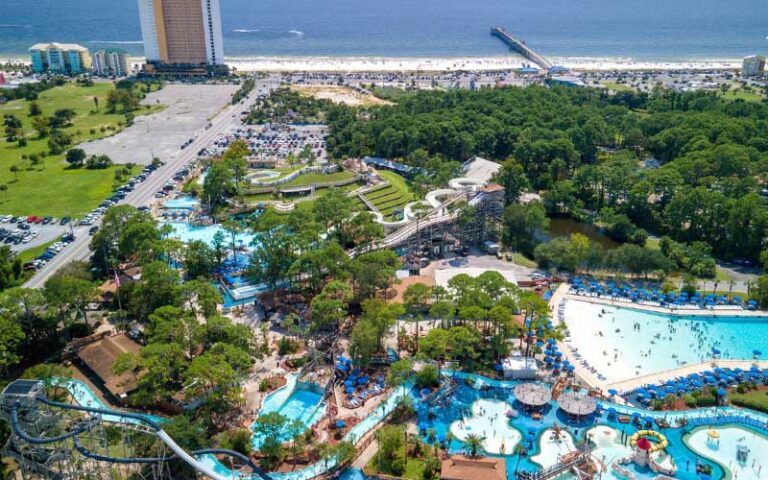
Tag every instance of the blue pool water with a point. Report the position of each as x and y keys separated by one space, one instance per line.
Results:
x=182 y=203
x=439 y=418
x=84 y=397
x=687 y=445
x=294 y=401
x=622 y=342
x=187 y=232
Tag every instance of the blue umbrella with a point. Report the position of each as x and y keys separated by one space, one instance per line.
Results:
x=349 y=383
x=757 y=353
x=341 y=424
x=548 y=359
x=425 y=392
x=722 y=392
x=349 y=390
x=715 y=351
x=612 y=391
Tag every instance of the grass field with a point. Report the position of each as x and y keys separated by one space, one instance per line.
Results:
x=392 y=197
x=736 y=92
x=520 y=259
x=617 y=87
x=34 y=252
x=310 y=178
x=414 y=468
x=757 y=399
x=50 y=187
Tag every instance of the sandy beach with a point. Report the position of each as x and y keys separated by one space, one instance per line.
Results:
x=448 y=64
x=444 y=64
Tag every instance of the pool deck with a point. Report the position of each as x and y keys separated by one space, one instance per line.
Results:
x=729 y=310
x=652 y=378
x=664 y=375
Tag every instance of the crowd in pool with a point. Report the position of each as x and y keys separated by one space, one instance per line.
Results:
x=614 y=342
x=646 y=293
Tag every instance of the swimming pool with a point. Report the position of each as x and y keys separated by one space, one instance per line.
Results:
x=626 y=342
x=294 y=401
x=182 y=203
x=723 y=450
x=187 y=232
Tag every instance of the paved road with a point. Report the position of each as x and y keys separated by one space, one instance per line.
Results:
x=145 y=191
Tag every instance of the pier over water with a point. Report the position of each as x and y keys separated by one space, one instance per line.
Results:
x=520 y=47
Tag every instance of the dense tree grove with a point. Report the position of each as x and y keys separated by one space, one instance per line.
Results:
x=584 y=148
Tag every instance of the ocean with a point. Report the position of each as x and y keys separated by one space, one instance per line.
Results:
x=643 y=30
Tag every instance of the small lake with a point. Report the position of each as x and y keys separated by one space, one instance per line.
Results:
x=564 y=227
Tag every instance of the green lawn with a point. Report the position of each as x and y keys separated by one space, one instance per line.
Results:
x=617 y=87
x=392 y=197
x=737 y=93
x=756 y=399
x=308 y=203
x=310 y=178
x=34 y=252
x=50 y=187
x=653 y=243
x=414 y=468
x=520 y=259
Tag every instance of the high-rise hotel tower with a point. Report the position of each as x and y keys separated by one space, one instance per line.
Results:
x=181 y=33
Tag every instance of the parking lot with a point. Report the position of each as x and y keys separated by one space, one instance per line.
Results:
x=275 y=142
x=188 y=108
x=23 y=233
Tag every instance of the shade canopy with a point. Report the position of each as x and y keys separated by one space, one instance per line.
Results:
x=577 y=404
x=533 y=394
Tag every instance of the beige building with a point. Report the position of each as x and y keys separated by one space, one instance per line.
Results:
x=111 y=62
x=181 y=32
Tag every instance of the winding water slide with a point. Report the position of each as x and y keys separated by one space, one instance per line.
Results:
x=135 y=419
x=436 y=203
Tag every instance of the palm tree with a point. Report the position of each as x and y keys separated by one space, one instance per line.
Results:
x=474 y=444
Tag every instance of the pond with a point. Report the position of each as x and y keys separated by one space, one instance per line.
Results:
x=564 y=227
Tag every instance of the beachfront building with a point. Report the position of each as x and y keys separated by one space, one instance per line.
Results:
x=182 y=37
x=753 y=66
x=111 y=62
x=62 y=58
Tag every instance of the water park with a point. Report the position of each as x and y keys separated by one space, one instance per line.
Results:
x=538 y=430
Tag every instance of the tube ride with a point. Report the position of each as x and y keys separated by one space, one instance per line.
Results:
x=660 y=444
